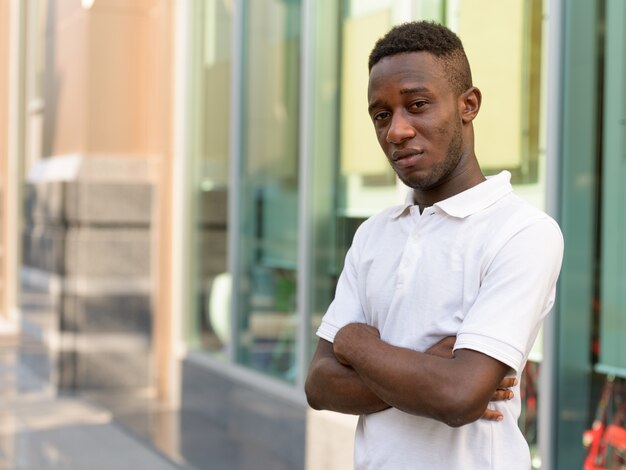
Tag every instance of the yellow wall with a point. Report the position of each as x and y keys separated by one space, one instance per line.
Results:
x=492 y=34
x=360 y=152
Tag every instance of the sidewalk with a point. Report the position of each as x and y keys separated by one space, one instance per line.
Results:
x=43 y=429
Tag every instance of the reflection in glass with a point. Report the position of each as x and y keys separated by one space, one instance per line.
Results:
x=209 y=327
x=269 y=191
x=351 y=178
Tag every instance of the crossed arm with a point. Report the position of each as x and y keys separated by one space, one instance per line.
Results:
x=361 y=374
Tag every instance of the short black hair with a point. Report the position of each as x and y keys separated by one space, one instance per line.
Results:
x=431 y=37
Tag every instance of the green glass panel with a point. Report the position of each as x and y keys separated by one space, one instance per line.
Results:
x=613 y=285
x=578 y=215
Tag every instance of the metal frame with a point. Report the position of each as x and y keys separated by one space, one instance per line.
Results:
x=547 y=384
x=305 y=172
x=235 y=180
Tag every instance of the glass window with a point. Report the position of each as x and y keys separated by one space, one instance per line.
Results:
x=209 y=326
x=365 y=182
x=508 y=71
x=269 y=191
x=351 y=177
x=506 y=55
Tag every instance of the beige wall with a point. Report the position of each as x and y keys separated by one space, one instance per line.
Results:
x=104 y=79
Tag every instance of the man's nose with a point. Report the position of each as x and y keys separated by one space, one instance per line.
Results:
x=400 y=129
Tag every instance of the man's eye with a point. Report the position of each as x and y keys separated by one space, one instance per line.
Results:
x=419 y=104
x=380 y=116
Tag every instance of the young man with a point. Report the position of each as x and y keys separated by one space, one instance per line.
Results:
x=463 y=257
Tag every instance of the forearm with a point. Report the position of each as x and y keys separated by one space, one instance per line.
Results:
x=415 y=384
x=450 y=390
x=333 y=386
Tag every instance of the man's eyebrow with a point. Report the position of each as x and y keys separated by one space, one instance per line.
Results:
x=404 y=91
x=408 y=91
x=374 y=104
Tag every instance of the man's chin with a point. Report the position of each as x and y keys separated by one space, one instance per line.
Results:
x=419 y=184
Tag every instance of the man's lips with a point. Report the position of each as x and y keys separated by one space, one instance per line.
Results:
x=406 y=157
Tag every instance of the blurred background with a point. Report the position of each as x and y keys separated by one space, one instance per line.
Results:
x=180 y=181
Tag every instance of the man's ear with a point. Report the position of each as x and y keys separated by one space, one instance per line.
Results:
x=469 y=104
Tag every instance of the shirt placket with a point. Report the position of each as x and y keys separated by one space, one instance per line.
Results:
x=413 y=247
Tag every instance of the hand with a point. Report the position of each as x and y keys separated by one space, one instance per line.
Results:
x=349 y=337
x=501 y=393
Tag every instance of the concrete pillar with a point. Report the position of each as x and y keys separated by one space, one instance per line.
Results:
x=11 y=149
x=4 y=110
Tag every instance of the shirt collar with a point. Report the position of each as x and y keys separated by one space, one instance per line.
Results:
x=399 y=210
x=470 y=201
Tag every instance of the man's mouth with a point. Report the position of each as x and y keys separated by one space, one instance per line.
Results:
x=406 y=157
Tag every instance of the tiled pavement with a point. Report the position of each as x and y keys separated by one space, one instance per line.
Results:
x=220 y=426
x=41 y=429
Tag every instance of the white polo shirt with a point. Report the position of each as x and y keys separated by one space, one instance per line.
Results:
x=481 y=265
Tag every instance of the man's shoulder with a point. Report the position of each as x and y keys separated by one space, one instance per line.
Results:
x=523 y=211
x=515 y=214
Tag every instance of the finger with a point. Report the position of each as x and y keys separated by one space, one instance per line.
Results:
x=500 y=395
x=492 y=415
x=508 y=382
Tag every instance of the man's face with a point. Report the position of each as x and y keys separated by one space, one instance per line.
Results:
x=416 y=117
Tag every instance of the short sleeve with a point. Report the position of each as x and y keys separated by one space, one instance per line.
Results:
x=517 y=291
x=346 y=307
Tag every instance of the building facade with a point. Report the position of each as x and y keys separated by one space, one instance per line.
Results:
x=184 y=178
